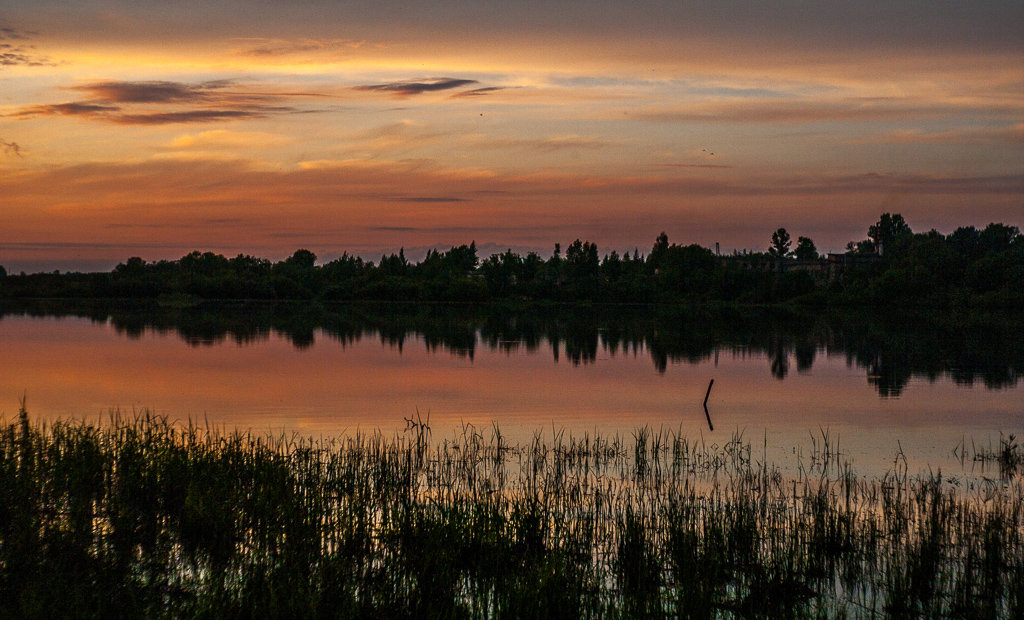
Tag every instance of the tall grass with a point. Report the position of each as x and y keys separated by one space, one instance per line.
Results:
x=141 y=517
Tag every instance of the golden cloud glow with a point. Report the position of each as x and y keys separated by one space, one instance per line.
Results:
x=226 y=139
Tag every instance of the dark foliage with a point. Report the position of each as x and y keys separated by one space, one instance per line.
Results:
x=893 y=267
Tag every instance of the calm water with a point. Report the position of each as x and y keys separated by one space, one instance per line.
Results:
x=877 y=385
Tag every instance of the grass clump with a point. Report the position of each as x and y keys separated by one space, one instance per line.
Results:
x=1009 y=456
x=141 y=517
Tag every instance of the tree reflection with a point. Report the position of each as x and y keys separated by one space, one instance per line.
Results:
x=804 y=353
x=780 y=364
x=891 y=350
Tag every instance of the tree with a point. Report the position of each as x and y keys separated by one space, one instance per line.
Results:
x=296 y=277
x=686 y=270
x=134 y=267
x=891 y=233
x=302 y=259
x=461 y=260
x=3 y=272
x=805 y=249
x=658 y=252
x=964 y=242
x=997 y=237
x=553 y=268
x=611 y=266
x=866 y=246
x=780 y=243
x=394 y=264
x=499 y=271
x=582 y=268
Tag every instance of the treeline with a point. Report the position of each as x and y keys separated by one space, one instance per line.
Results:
x=968 y=267
x=893 y=265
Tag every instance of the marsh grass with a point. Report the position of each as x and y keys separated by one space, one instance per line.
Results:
x=1008 y=457
x=142 y=517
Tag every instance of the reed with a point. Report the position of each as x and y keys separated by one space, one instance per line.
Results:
x=142 y=517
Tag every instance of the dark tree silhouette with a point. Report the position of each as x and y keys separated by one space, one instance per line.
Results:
x=780 y=243
x=658 y=252
x=890 y=234
x=997 y=237
x=303 y=259
x=805 y=249
x=463 y=258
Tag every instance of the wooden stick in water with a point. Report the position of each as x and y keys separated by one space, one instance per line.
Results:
x=710 y=426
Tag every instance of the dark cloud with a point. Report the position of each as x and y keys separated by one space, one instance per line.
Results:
x=19 y=52
x=430 y=199
x=222 y=93
x=922 y=183
x=117 y=225
x=411 y=87
x=151 y=92
x=11 y=148
x=215 y=221
x=285 y=47
x=116 y=114
x=11 y=55
x=459 y=229
x=189 y=116
x=79 y=108
x=129 y=103
x=478 y=92
x=693 y=166
x=44 y=246
x=14 y=34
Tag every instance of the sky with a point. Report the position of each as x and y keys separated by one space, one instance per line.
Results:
x=151 y=129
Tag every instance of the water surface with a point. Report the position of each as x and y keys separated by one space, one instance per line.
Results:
x=922 y=385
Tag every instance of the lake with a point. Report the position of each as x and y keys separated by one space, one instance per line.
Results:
x=929 y=386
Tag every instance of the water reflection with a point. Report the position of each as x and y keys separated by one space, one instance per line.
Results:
x=891 y=349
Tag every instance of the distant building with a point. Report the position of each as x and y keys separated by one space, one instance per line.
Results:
x=838 y=264
x=747 y=261
x=822 y=270
x=814 y=267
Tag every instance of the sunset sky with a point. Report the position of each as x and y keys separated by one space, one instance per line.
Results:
x=138 y=128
